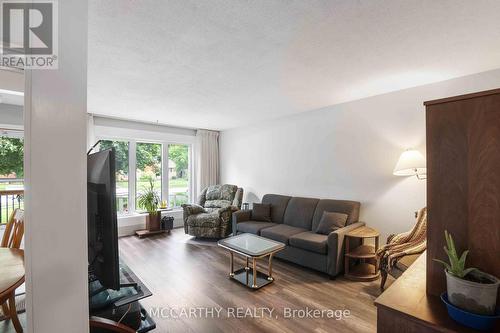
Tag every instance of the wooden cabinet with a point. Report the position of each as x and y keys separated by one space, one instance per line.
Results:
x=463 y=184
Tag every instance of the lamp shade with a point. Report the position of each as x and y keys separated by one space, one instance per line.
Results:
x=410 y=163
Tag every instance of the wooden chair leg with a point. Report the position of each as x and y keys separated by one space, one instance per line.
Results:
x=13 y=314
x=5 y=309
x=384 y=278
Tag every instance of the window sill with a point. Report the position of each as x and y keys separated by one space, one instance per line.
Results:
x=136 y=214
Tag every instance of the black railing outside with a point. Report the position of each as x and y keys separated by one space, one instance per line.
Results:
x=9 y=201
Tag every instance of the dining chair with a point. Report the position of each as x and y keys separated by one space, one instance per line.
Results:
x=14 y=231
x=12 y=238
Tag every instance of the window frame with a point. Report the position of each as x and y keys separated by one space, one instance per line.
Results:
x=166 y=172
x=132 y=165
x=135 y=170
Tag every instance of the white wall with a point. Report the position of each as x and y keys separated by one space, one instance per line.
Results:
x=129 y=224
x=56 y=183
x=346 y=151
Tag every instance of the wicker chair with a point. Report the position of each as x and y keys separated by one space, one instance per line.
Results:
x=403 y=249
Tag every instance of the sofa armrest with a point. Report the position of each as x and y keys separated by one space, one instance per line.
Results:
x=336 y=248
x=240 y=216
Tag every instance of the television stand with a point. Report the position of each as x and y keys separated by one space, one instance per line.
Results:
x=120 y=310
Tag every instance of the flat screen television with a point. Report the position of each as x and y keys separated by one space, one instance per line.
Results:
x=101 y=218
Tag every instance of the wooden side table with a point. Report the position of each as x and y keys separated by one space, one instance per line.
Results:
x=367 y=269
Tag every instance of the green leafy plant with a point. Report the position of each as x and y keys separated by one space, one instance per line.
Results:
x=456 y=266
x=149 y=198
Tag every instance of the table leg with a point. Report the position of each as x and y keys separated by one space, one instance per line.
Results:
x=231 y=268
x=346 y=258
x=247 y=267
x=254 y=264
x=13 y=314
x=270 y=277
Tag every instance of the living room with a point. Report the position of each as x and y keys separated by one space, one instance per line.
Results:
x=267 y=166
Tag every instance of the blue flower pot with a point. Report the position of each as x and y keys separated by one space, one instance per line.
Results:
x=472 y=320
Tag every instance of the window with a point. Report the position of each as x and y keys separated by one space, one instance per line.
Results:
x=121 y=169
x=178 y=175
x=148 y=161
x=167 y=164
x=11 y=173
x=11 y=157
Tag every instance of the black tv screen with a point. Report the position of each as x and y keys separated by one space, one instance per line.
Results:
x=101 y=219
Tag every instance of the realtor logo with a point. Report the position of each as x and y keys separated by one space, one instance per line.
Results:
x=29 y=34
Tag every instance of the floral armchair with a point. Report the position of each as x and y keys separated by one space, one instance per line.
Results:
x=211 y=216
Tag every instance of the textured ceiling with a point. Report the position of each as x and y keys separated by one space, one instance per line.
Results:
x=219 y=64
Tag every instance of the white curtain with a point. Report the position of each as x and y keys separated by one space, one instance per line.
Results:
x=207 y=158
x=90 y=131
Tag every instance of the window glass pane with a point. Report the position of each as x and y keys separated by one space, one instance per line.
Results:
x=11 y=174
x=121 y=161
x=178 y=175
x=148 y=168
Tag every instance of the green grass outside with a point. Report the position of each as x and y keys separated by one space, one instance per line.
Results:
x=172 y=183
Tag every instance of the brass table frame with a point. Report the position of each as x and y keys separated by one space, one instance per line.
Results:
x=246 y=274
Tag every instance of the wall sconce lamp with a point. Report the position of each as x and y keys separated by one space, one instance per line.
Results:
x=411 y=163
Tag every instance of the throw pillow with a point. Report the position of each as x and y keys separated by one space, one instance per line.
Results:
x=331 y=221
x=261 y=212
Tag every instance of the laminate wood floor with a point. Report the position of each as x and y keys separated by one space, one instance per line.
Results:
x=185 y=274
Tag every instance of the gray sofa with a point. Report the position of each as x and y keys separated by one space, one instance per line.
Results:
x=294 y=221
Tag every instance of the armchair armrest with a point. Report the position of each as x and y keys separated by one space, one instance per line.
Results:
x=190 y=209
x=336 y=248
x=227 y=209
x=240 y=216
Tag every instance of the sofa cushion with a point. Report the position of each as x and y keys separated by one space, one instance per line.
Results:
x=331 y=221
x=253 y=227
x=299 y=212
x=261 y=212
x=281 y=232
x=351 y=208
x=310 y=241
x=278 y=206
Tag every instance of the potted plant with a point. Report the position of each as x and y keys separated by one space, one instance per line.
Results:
x=468 y=288
x=150 y=200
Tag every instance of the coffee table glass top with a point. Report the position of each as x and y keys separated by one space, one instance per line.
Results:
x=251 y=245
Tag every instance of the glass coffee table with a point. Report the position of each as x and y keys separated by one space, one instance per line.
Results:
x=251 y=247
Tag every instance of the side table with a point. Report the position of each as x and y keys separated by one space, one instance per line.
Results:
x=367 y=269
